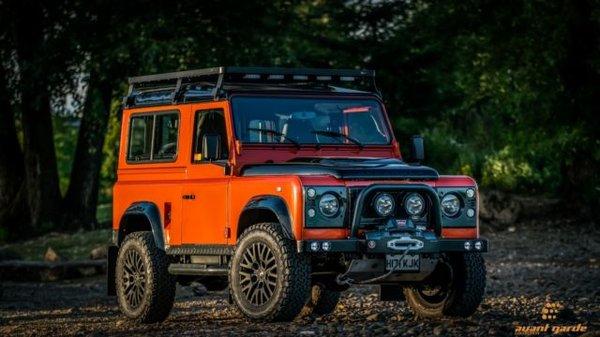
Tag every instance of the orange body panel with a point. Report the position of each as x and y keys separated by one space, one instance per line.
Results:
x=219 y=195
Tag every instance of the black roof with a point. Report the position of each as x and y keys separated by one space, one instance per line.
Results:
x=214 y=83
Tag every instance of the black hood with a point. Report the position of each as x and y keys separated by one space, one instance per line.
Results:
x=344 y=168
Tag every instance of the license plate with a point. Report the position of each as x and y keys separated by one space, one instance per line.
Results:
x=400 y=263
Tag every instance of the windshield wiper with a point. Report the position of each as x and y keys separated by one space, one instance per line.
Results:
x=329 y=133
x=276 y=133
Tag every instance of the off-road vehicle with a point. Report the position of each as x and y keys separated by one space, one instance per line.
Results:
x=284 y=186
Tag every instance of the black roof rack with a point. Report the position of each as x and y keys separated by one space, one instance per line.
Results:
x=211 y=83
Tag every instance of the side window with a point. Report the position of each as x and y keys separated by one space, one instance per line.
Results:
x=153 y=137
x=140 y=138
x=165 y=136
x=209 y=122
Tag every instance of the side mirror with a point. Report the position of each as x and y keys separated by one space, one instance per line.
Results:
x=417 y=149
x=211 y=146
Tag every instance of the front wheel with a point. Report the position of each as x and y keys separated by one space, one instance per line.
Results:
x=269 y=280
x=145 y=289
x=455 y=288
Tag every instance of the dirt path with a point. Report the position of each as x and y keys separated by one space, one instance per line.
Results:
x=526 y=269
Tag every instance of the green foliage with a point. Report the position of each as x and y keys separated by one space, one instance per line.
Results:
x=65 y=140
x=110 y=151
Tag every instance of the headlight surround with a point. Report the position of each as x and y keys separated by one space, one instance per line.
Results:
x=329 y=205
x=450 y=204
x=414 y=204
x=384 y=204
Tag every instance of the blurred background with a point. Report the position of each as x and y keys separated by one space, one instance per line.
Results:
x=504 y=91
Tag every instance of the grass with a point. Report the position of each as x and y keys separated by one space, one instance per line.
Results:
x=75 y=246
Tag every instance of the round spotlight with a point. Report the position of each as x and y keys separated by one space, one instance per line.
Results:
x=329 y=205
x=311 y=192
x=371 y=244
x=314 y=246
x=414 y=204
x=467 y=245
x=470 y=193
x=470 y=212
x=450 y=204
x=311 y=213
x=478 y=245
x=384 y=204
x=326 y=246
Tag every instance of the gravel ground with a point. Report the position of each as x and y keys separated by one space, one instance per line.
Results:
x=529 y=265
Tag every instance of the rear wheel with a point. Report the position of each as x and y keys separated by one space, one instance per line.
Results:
x=269 y=280
x=455 y=288
x=145 y=289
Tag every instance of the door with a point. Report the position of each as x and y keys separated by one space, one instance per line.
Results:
x=205 y=192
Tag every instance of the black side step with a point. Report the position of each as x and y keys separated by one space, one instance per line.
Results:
x=197 y=269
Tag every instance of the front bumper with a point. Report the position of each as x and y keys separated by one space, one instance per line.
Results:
x=392 y=245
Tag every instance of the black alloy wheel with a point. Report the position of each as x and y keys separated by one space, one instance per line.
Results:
x=258 y=273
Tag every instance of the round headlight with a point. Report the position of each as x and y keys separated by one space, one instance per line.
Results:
x=329 y=204
x=414 y=204
x=384 y=204
x=450 y=205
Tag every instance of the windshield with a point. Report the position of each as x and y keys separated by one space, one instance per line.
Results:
x=309 y=121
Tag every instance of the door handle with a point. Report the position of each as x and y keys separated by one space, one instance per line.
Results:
x=189 y=196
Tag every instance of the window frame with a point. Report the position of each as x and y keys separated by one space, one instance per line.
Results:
x=195 y=138
x=151 y=160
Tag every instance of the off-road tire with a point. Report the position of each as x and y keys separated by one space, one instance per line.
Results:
x=322 y=301
x=159 y=290
x=292 y=280
x=464 y=294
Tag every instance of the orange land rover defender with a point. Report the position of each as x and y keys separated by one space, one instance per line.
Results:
x=285 y=186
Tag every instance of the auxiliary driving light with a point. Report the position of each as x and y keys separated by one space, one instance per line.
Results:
x=384 y=204
x=311 y=192
x=470 y=193
x=414 y=204
x=311 y=213
x=478 y=245
x=314 y=246
x=470 y=212
x=467 y=245
x=326 y=246
x=371 y=244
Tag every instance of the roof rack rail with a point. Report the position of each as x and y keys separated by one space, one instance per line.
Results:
x=209 y=82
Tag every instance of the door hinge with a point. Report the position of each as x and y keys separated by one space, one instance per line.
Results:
x=227 y=232
x=189 y=196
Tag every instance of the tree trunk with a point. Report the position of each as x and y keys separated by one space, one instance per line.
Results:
x=14 y=217
x=82 y=196
x=41 y=173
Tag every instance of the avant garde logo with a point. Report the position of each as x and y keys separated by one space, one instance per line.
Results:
x=550 y=312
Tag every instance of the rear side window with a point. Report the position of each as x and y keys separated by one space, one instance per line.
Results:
x=153 y=137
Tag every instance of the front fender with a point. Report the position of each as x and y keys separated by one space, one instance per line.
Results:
x=277 y=206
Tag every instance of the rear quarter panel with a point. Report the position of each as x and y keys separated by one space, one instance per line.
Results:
x=158 y=183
